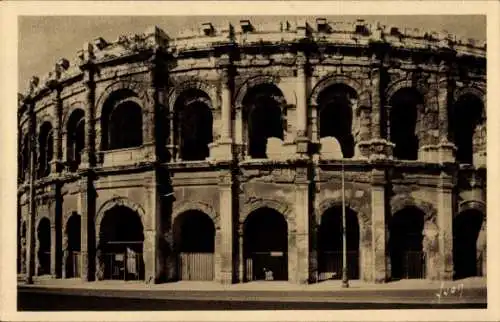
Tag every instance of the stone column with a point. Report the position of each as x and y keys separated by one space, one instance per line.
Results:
x=31 y=254
x=151 y=103
x=241 y=257
x=224 y=253
x=301 y=91
x=379 y=227
x=302 y=226
x=37 y=257
x=153 y=230
x=87 y=210
x=445 y=224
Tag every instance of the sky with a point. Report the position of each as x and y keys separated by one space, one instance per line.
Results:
x=42 y=41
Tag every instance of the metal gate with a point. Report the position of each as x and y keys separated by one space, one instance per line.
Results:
x=413 y=264
x=196 y=266
x=123 y=266
x=44 y=263
x=267 y=266
x=330 y=265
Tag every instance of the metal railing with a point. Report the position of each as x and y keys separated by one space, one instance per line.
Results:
x=413 y=265
x=74 y=266
x=330 y=265
x=196 y=266
x=44 y=263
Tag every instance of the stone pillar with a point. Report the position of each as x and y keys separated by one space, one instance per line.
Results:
x=88 y=242
x=53 y=248
x=223 y=149
x=379 y=148
x=446 y=149
x=153 y=230
x=445 y=224
x=224 y=253
x=241 y=257
x=31 y=254
x=57 y=140
x=379 y=228
x=88 y=68
x=149 y=123
x=301 y=91
x=301 y=226
x=65 y=255
x=37 y=257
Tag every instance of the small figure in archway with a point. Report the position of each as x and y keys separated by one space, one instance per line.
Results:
x=268 y=274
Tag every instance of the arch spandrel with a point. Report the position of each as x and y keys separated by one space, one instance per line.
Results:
x=355 y=204
x=200 y=206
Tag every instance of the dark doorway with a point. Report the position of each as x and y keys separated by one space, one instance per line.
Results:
x=466 y=228
x=403 y=121
x=330 y=250
x=405 y=244
x=335 y=116
x=75 y=139
x=196 y=130
x=466 y=115
x=73 y=231
x=125 y=126
x=44 y=241
x=121 y=245
x=194 y=236
x=264 y=118
x=46 y=149
x=266 y=245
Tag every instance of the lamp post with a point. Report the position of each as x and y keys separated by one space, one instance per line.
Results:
x=345 y=280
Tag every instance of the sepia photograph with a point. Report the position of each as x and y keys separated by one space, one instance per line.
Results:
x=251 y=162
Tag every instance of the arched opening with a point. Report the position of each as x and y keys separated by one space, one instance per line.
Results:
x=194 y=237
x=194 y=122
x=263 y=117
x=75 y=139
x=466 y=228
x=265 y=246
x=120 y=247
x=466 y=115
x=73 y=234
x=405 y=244
x=330 y=250
x=405 y=104
x=335 y=113
x=125 y=126
x=43 y=252
x=25 y=158
x=46 y=144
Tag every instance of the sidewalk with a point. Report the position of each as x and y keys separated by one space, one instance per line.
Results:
x=331 y=285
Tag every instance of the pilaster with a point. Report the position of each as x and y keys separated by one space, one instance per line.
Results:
x=445 y=224
x=224 y=251
x=302 y=137
x=379 y=227
x=302 y=214
x=86 y=200
x=153 y=231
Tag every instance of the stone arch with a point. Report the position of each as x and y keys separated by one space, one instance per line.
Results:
x=66 y=218
x=68 y=110
x=333 y=79
x=396 y=85
x=132 y=86
x=242 y=91
x=115 y=202
x=472 y=90
x=201 y=206
x=355 y=204
x=400 y=202
x=195 y=84
x=43 y=119
x=472 y=205
x=254 y=204
x=40 y=218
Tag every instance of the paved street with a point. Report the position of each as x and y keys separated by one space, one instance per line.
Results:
x=116 y=296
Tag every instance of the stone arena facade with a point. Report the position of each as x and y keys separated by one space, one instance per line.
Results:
x=218 y=155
